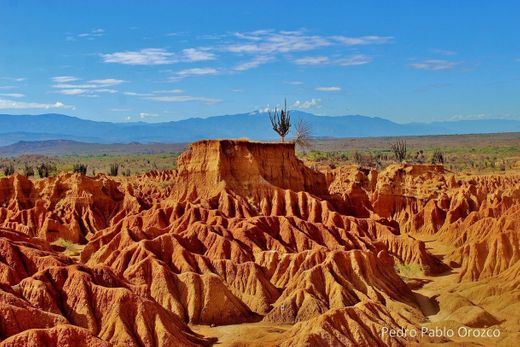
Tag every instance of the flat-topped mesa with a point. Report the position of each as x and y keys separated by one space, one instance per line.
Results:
x=245 y=167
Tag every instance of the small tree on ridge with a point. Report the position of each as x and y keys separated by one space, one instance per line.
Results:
x=303 y=135
x=281 y=122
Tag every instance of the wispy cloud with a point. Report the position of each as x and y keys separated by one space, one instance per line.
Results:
x=158 y=56
x=318 y=60
x=168 y=91
x=137 y=94
x=90 y=35
x=434 y=65
x=363 y=40
x=107 y=82
x=154 y=93
x=144 y=115
x=12 y=95
x=260 y=60
x=13 y=79
x=273 y=42
x=304 y=105
x=6 y=104
x=64 y=79
x=184 y=98
x=196 y=71
x=294 y=83
x=328 y=89
x=444 y=52
x=358 y=59
x=146 y=56
x=262 y=47
x=90 y=88
x=197 y=54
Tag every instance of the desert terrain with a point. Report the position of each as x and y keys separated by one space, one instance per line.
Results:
x=245 y=244
x=470 y=153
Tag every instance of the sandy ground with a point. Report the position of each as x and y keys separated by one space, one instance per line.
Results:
x=247 y=334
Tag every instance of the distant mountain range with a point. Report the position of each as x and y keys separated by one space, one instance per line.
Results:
x=16 y=128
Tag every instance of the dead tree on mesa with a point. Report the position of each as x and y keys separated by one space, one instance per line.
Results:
x=281 y=122
x=399 y=149
x=303 y=135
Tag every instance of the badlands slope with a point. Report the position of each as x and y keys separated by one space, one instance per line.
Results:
x=245 y=245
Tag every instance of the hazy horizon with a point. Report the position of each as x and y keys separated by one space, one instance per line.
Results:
x=128 y=62
x=252 y=113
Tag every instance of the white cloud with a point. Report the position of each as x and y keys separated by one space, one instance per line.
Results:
x=304 y=105
x=253 y=63
x=184 y=98
x=106 y=90
x=197 y=71
x=328 y=89
x=12 y=95
x=107 y=82
x=158 y=56
x=90 y=35
x=197 y=54
x=14 y=79
x=90 y=89
x=169 y=91
x=20 y=105
x=146 y=56
x=434 y=65
x=273 y=42
x=93 y=33
x=73 y=91
x=64 y=79
x=262 y=46
x=363 y=40
x=270 y=42
x=358 y=59
x=311 y=60
x=294 y=83
x=266 y=109
x=144 y=115
x=154 y=93
x=137 y=94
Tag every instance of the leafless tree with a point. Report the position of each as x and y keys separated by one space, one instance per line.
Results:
x=438 y=157
x=281 y=122
x=399 y=149
x=303 y=134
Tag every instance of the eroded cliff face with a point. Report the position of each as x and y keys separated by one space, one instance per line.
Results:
x=244 y=167
x=243 y=232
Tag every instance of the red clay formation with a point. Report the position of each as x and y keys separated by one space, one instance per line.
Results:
x=245 y=244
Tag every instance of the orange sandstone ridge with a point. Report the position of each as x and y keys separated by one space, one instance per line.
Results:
x=243 y=237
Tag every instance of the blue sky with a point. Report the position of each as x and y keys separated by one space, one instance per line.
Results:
x=133 y=61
